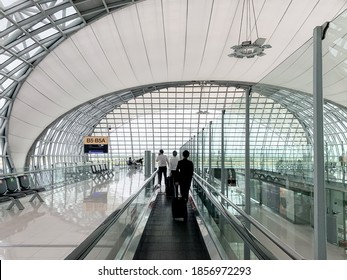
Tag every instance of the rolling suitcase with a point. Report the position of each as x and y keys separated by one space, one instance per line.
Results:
x=179 y=207
x=169 y=189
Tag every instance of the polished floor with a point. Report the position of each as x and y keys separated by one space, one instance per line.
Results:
x=53 y=229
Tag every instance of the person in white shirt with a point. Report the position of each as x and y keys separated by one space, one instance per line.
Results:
x=162 y=166
x=173 y=165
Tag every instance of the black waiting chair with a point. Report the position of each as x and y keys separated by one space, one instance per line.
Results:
x=7 y=195
x=3 y=190
x=25 y=187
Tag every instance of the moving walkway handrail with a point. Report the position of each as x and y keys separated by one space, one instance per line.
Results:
x=279 y=243
x=84 y=248
x=256 y=247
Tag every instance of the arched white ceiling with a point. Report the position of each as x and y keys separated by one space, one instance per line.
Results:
x=157 y=41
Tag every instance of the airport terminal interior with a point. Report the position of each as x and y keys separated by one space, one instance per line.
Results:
x=254 y=90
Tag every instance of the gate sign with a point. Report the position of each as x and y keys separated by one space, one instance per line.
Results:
x=95 y=140
x=95 y=144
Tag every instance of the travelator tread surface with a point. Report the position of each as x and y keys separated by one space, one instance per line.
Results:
x=165 y=238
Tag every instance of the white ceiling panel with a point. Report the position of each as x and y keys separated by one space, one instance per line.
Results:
x=51 y=89
x=152 y=26
x=22 y=131
x=128 y=26
x=37 y=100
x=332 y=80
x=57 y=71
x=175 y=18
x=198 y=15
x=34 y=115
x=296 y=72
x=92 y=53
x=219 y=36
x=107 y=34
x=78 y=66
x=19 y=146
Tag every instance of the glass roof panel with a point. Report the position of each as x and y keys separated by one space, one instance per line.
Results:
x=63 y=13
x=22 y=45
x=26 y=13
x=69 y=24
x=4 y=85
x=33 y=52
x=4 y=23
x=46 y=33
x=13 y=65
x=10 y=3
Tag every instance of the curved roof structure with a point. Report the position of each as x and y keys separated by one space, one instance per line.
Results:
x=48 y=69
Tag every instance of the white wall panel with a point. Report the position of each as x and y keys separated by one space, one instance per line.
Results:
x=22 y=130
x=49 y=88
x=18 y=147
x=90 y=48
x=197 y=33
x=152 y=25
x=31 y=115
x=107 y=34
x=175 y=35
x=128 y=26
x=61 y=75
x=39 y=102
x=79 y=68
x=219 y=39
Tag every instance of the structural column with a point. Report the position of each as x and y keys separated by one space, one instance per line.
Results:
x=223 y=173
x=210 y=153
x=148 y=165
x=247 y=252
x=319 y=216
x=247 y=156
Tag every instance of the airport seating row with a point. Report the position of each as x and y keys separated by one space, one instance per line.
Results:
x=101 y=170
x=15 y=187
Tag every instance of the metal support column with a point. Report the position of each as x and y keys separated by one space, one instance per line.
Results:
x=210 y=153
x=320 y=235
x=247 y=155
x=148 y=163
x=197 y=155
x=153 y=162
x=222 y=179
x=193 y=152
x=247 y=252
x=202 y=154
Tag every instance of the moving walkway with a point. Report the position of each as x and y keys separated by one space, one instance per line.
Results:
x=143 y=229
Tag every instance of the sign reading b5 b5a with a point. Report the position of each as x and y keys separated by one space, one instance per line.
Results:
x=95 y=145
x=95 y=140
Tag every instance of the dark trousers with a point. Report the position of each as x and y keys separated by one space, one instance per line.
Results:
x=162 y=171
x=173 y=178
x=185 y=191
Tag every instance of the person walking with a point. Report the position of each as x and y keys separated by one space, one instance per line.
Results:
x=184 y=175
x=162 y=166
x=172 y=174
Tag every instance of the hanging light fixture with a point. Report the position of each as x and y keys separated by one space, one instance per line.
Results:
x=248 y=26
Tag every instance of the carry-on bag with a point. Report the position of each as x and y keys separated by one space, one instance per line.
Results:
x=169 y=187
x=179 y=206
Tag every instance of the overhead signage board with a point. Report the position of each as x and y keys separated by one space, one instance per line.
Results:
x=95 y=140
x=95 y=144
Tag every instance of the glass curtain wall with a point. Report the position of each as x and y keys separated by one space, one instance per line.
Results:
x=281 y=160
x=162 y=119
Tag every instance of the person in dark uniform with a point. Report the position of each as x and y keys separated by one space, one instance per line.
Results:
x=184 y=175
